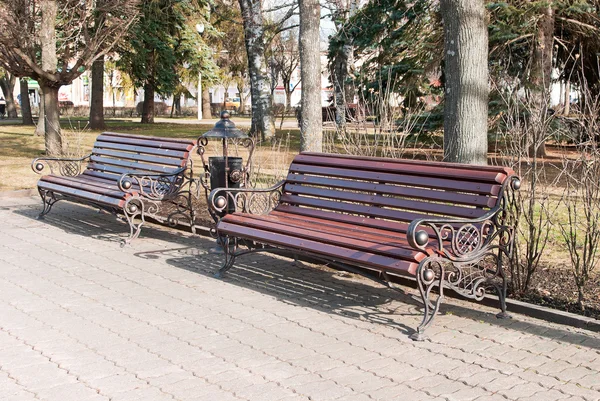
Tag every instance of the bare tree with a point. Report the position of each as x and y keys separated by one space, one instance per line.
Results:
x=69 y=35
x=311 y=129
x=286 y=57
x=466 y=87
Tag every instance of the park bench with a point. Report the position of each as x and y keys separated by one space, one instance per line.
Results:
x=130 y=175
x=447 y=225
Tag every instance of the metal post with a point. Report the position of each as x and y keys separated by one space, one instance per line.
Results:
x=200 y=115
x=200 y=30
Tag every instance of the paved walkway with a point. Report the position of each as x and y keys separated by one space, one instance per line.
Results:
x=82 y=319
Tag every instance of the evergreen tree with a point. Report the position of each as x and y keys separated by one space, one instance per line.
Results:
x=161 y=45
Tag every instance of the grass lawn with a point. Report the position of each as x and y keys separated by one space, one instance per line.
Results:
x=19 y=146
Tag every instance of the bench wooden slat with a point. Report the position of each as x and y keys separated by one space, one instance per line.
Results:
x=314 y=234
x=139 y=157
x=160 y=144
x=468 y=169
x=344 y=226
x=102 y=188
x=362 y=210
x=388 y=202
x=177 y=154
x=78 y=193
x=403 y=179
x=103 y=175
x=373 y=236
x=395 y=190
x=364 y=259
x=151 y=138
x=400 y=227
x=131 y=166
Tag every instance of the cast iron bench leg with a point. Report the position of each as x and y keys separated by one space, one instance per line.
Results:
x=48 y=199
x=133 y=209
x=229 y=253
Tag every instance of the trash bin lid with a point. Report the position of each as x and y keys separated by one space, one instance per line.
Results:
x=225 y=128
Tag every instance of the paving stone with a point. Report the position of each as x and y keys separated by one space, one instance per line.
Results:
x=323 y=390
x=549 y=395
x=522 y=390
x=82 y=319
x=70 y=392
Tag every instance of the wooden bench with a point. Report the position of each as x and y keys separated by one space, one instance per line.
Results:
x=448 y=225
x=133 y=175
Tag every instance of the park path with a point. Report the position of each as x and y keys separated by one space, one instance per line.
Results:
x=82 y=319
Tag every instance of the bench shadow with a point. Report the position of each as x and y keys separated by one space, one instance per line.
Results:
x=86 y=221
x=330 y=291
x=324 y=289
x=296 y=283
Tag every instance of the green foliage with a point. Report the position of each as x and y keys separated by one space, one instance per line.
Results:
x=399 y=43
x=163 y=47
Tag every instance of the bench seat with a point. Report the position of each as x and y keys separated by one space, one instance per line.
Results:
x=367 y=247
x=447 y=225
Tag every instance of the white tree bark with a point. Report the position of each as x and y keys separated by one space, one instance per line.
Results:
x=466 y=81
x=47 y=35
x=263 y=124
x=311 y=129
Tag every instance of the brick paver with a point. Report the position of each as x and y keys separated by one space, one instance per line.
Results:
x=82 y=319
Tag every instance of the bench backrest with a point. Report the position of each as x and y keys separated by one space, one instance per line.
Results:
x=115 y=154
x=392 y=192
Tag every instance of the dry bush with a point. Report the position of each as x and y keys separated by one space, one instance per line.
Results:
x=388 y=136
x=532 y=204
x=581 y=197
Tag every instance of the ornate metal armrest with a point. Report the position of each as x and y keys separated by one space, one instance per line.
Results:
x=459 y=240
x=153 y=186
x=61 y=165
x=247 y=200
x=466 y=240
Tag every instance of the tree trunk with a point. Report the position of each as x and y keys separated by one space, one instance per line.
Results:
x=47 y=32
x=466 y=83
x=54 y=145
x=311 y=130
x=567 y=108
x=25 y=104
x=8 y=87
x=206 y=110
x=339 y=76
x=148 y=106
x=40 y=129
x=288 y=98
x=541 y=70
x=342 y=90
x=263 y=124
x=177 y=105
x=97 y=105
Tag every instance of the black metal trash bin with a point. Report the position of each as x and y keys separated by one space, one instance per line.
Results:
x=218 y=176
x=216 y=167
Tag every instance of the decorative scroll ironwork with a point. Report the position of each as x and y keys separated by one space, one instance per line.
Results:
x=245 y=200
x=154 y=195
x=69 y=167
x=468 y=255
